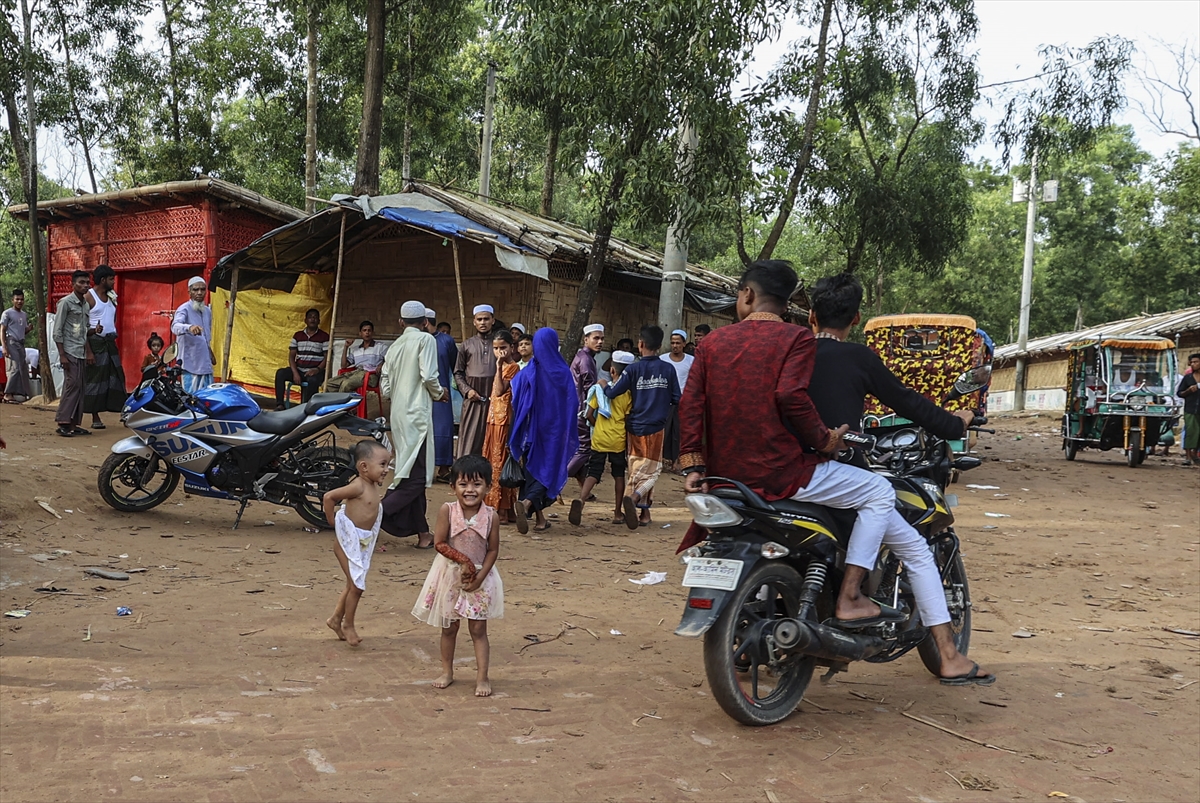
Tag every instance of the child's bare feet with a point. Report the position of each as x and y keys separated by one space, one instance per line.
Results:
x=483 y=688
x=336 y=627
x=352 y=637
x=444 y=680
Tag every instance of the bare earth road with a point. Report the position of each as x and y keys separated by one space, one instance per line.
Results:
x=225 y=684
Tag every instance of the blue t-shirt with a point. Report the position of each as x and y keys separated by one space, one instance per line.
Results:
x=653 y=387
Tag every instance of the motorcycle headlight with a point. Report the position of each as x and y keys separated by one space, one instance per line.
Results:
x=691 y=552
x=709 y=511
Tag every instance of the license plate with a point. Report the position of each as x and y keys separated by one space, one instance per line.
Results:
x=716 y=573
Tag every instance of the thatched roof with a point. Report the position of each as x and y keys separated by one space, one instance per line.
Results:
x=1164 y=324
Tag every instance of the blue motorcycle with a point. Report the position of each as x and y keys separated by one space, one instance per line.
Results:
x=222 y=445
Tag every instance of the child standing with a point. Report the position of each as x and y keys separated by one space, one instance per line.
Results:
x=463 y=581
x=499 y=422
x=524 y=350
x=155 y=344
x=607 y=418
x=357 y=527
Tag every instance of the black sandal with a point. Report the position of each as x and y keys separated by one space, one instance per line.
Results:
x=64 y=432
x=972 y=678
x=80 y=431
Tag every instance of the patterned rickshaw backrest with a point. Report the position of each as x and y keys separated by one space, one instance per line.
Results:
x=927 y=353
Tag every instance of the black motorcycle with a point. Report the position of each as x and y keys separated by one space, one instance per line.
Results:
x=764 y=583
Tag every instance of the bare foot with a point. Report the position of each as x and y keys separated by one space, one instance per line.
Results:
x=862 y=608
x=483 y=688
x=352 y=637
x=336 y=627
x=444 y=680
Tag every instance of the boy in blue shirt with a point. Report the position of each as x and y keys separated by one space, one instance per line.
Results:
x=653 y=387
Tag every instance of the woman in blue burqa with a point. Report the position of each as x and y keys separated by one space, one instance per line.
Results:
x=543 y=437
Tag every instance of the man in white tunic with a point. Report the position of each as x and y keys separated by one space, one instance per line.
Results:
x=410 y=379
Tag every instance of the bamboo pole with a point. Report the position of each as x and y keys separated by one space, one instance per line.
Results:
x=337 y=291
x=462 y=310
x=233 y=288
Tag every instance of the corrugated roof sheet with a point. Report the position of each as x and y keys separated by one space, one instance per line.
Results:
x=1164 y=324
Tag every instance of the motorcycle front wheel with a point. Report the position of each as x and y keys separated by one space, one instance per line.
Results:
x=958 y=599
x=122 y=488
x=324 y=469
x=746 y=683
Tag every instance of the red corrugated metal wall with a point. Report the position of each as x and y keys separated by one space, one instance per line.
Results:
x=154 y=252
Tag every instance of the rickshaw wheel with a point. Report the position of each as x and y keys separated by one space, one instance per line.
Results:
x=1133 y=453
x=1070 y=449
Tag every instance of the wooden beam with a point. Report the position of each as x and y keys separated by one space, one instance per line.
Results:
x=233 y=288
x=337 y=291
x=462 y=312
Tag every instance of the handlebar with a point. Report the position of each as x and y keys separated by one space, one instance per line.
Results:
x=981 y=429
x=858 y=439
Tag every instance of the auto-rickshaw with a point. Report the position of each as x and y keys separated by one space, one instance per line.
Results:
x=1120 y=394
x=928 y=353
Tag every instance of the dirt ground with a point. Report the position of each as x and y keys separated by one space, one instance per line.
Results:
x=225 y=684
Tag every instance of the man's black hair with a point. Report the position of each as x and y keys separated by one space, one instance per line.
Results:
x=80 y=273
x=19 y=292
x=363 y=450
x=652 y=337
x=443 y=323
x=311 y=311
x=1192 y=357
x=771 y=277
x=414 y=321
x=703 y=328
x=366 y=323
x=471 y=467
x=102 y=272
x=525 y=337
x=836 y=300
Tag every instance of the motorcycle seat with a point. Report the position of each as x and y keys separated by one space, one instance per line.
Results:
x=278 y=423
x=320 y=400
x=837 y=520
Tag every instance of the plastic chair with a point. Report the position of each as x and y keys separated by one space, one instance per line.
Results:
x=370 y=384
x=287 y=392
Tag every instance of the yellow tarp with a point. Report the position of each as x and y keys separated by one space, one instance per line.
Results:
x=264 y=321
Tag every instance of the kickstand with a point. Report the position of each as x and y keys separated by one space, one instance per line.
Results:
x=241 y=510
x=833 y=670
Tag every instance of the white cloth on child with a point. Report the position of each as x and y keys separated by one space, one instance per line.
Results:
x=358 y=544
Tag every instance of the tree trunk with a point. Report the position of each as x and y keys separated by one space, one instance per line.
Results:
x=806 y=142
x=176 y=131
x=366 y=172
x=30 y=186
x=546 y=208
x=406 y=148
x=310 y=114
x=595 y=266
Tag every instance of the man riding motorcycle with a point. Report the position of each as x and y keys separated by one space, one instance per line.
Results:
x=844 y=374
x=747 y=412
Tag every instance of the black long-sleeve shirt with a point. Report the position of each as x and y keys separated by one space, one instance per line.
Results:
x=846 y=373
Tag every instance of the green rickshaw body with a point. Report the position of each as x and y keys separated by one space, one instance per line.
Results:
x=1120 y=395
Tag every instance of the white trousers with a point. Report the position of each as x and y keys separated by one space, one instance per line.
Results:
x=839 y=485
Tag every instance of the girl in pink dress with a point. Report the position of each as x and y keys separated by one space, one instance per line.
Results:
x=463 y=582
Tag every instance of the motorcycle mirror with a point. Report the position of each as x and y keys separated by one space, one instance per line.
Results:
x=970 y=381
x=172 y=351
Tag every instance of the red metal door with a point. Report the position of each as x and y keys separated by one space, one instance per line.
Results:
x=146 y=303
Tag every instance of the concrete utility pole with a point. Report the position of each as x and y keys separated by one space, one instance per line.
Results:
x=1026 y=286
x=485 y=158
x=670 y=297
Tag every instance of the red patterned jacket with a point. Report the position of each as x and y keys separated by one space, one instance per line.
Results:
x=745 y=413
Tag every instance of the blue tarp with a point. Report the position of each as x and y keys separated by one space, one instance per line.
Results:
x=450 y=224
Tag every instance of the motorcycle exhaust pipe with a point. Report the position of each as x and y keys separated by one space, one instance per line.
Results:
x=822 y=641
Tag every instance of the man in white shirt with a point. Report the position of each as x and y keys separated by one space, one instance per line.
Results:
x=681 y=361
x=367 y=356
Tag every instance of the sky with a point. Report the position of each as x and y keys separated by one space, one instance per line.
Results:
x=1011 y=31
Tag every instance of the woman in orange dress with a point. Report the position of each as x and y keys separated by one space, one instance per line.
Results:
x=499 y=422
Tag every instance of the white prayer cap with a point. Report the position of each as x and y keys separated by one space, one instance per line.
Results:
x=593 y=327
x=520 y=327
x=483 y=308
x=681 y=332
x=195 y=280
x=412 y=309
x=430 y=314
x=622 y=358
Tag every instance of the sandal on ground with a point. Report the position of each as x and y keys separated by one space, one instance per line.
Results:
x=972 y=678
x=630 y=510
x=541 y=528
x=886 y=614
x=99 y=426
x=522 y=517
x=80 y=431
x=65 y=432
x=427 y=546
x=576 y=514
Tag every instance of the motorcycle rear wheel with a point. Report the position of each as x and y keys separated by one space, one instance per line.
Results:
x=325 y=468
x=120 y=483
x=960 y=620
x=759 y=695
